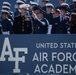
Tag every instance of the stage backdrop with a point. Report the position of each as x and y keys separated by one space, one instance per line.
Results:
x=38 y=54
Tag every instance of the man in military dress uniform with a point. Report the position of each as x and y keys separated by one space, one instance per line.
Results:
x=60 y=23
x=23 y=24
x=56 y=21
x=6 y=23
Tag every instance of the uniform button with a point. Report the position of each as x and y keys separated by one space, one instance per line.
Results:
x=22 y=29
x=22 y=23
x=27 y=25
x=56 y=23
x=38 y=27
x=22 y=20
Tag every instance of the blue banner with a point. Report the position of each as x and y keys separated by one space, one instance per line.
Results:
x=38 y=54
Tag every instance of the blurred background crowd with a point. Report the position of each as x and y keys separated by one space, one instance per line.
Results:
x=38 y=17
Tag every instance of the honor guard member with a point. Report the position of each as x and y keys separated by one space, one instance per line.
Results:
x=23 y=24
x=32 y=6
x=18 y=11
x=40 y=23
x=49 y=15
x=67 y=8
x=6 y=23
x=6 y=6
x=35 y=9
x=65 y=11
x=73 y=7
x=44 y=2
x=10 y=15
x=62 y=1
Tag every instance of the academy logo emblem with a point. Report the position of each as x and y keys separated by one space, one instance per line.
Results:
x=11 y=57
